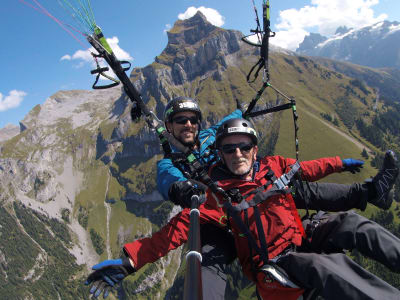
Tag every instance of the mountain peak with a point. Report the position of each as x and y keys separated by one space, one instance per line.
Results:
x=310 y=42
x=342 y=30
x=191 y=30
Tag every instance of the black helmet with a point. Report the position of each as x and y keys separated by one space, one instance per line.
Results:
x=181 y=104
x=236 y=126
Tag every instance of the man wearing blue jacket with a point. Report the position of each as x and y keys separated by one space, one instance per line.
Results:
x=182 y=118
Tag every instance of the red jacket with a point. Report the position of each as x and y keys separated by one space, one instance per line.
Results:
x=278 y=215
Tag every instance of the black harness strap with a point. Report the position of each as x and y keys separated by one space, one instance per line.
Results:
x=260 y=231
x=253 y=265
x=280 y=187
x=269 y=110
x=246 y=231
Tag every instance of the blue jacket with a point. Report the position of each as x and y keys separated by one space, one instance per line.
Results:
x=167 y=174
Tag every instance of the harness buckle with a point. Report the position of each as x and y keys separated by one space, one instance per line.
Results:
x=273 y=272
x=282 y=182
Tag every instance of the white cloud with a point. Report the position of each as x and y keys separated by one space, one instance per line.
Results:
x=118 y=51
x=66 y=57
x=212 y=15
x=167 y=28
x=13 y=100
x=324 y=17
x=84 y=56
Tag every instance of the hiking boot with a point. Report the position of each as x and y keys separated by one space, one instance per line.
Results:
x=383 y=181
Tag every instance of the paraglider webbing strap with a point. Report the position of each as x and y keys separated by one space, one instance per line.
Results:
x=197 y=172
x=161 y=132
x=282 y=186
x=260 y=64
x=254 y=267
x=266 y=34
x=263 y=253
x=106 y=86
x=269 y=110
x=254 y=101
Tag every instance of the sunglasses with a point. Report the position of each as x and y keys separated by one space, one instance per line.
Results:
x=231 y=148
x=183 y=120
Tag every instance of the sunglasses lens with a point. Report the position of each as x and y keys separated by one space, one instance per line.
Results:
x=231 y=148
x=183 y=120
x=228 y=150
x=246 y=148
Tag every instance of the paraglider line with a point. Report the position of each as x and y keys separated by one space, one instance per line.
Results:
x=42 y=10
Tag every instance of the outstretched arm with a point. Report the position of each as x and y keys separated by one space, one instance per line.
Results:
x=171 y=236
x=110 y=273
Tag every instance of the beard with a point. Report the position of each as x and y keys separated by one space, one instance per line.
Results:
x=243 y=169
x=188 y=141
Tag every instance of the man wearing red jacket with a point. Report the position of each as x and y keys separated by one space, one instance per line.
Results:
x=273 y=225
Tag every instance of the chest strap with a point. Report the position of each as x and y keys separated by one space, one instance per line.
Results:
x=280 y=187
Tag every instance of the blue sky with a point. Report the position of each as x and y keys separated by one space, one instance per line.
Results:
x=39 y=58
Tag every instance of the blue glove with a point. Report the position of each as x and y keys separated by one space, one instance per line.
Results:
x=107 y=274
x=352 y=165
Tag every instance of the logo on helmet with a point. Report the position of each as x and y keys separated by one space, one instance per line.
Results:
x=241 y=130
x=187 y=105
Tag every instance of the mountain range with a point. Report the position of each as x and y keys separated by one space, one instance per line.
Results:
x=375 y=46
x=77 y=178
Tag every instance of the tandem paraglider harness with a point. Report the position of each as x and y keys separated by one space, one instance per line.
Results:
x=281 y=185
x=194 y=170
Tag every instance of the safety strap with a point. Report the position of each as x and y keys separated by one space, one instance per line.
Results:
x=280 y=187
x=269 y=110
x=246 y=231
x=161 y=132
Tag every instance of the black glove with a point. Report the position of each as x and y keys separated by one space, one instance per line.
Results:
x=107 y=274
x=181 y=193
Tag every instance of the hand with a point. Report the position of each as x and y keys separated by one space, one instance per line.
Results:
x=181 y=193
x=352 y=165
x=107 y=274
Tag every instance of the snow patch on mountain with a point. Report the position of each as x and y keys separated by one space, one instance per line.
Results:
x=335 y=38
x=393 y=28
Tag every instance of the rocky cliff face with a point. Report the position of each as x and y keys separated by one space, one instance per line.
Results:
x=8 y=132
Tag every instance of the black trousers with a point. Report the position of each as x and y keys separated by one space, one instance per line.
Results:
x=218 y=245
x=347 y=231
x=218 y=250
x=335 y=275
x=331 y=197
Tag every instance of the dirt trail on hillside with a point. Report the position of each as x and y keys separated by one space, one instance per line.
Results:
x=350 y=138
